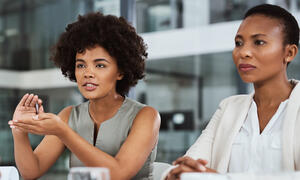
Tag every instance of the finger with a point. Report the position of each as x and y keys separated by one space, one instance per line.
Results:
x=43 y=116
x=27 y=127
x=179 y=160
x=181 y=169
x=22 y=129
x=25 y=121
x=12 y=126
x=40 y=102
x=28 y=100
x=22 y=101
x=34 y=101
x=41 y=110
x=194 y=164
x=202 y=161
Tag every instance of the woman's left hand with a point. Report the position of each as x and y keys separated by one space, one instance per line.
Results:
x=41 y=124
x=188 y=164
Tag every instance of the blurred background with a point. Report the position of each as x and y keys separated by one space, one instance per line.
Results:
x=189 y=70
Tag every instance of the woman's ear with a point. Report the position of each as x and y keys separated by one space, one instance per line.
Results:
x=291 y=52
x=120 y=76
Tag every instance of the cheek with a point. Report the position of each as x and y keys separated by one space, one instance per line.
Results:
x=78 y=76
x=272 y=57
x=234 y=56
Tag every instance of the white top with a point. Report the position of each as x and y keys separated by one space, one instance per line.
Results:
x=253 y=151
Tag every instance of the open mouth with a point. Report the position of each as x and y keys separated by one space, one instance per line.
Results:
x=90 y=86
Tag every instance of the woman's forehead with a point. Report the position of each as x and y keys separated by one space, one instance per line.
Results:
x=260 y=24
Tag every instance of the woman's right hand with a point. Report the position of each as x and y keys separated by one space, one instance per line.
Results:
x=26 y=108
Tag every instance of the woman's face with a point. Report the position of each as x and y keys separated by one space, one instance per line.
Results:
x=96 y=73
x=259 y=53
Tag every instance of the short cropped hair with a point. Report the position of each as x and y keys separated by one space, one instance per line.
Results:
x=115 y=35
x=290 y=25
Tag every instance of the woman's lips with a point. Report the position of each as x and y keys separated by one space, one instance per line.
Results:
x=246 y=67
x=90 y=86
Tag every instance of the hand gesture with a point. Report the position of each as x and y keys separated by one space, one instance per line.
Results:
x=41 y=124
x=27 y=107
x=187 y=164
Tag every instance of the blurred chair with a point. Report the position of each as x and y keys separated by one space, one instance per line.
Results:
x=8 y=173
x=158 y=169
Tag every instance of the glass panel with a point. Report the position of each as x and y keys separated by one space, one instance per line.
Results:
x=158 y=15
x=108 y=6
x=293 y=68
x=186 y=91
x=28 y=29
x=229 y=10
x=54 y=100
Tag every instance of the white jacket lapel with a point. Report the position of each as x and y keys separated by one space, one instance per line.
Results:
x=231 y=122
x=288 y=135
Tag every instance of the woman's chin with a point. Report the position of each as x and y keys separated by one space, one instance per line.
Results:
x=247 y=79
x=90 y=96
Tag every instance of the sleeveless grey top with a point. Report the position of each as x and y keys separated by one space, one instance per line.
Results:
x=112 y=133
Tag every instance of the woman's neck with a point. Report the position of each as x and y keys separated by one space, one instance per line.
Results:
x=272 y=92
x=104 y=108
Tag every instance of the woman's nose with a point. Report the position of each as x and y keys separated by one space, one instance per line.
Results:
x=88 y=74
x=245 y=51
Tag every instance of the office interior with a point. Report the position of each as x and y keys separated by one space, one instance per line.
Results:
x=188 y=72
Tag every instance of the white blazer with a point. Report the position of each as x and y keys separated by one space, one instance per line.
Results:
x=216 y=140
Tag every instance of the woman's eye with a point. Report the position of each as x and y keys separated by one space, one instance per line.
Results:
x=100 y=66
x=259 y=42
x=79 y=65
x=238 y=43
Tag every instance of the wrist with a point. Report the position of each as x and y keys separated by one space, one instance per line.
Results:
x=62 y=129
x=19 y=134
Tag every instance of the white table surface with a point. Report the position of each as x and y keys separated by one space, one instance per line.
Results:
x=241 y=176
x=9 y=173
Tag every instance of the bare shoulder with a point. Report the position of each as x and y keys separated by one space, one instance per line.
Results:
x=65 y=113
x=148 y=115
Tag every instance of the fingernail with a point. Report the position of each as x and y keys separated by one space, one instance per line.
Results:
x=15 y=120
x=10 y=122
x=36 y=117
x=202 y=168
x=12 y=126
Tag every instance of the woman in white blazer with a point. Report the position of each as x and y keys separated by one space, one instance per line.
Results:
x=255 y=132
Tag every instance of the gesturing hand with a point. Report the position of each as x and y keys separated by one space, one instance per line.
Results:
x=26 y=107
x=42 y=124
x=187 y=164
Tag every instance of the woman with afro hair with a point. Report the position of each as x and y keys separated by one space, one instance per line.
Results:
x=105 y=57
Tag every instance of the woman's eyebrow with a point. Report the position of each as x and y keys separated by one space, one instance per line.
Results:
x=79 y=60
x=101 y=59
x=257 y=35
x=238 y=36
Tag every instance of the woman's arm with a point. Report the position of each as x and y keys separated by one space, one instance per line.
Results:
x=130 y=158
x=33 y=164
x=202 y=148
